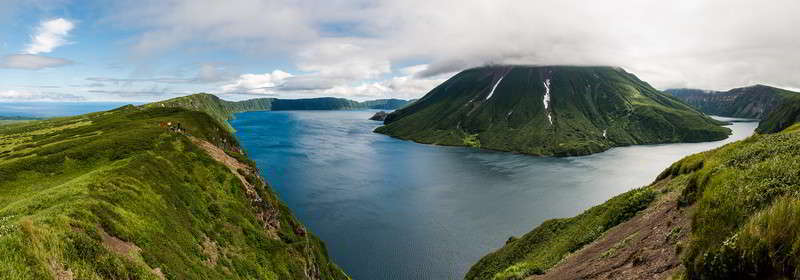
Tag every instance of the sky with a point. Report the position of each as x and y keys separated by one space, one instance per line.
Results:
x=148 y=50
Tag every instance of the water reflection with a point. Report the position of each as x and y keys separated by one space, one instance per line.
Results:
x=391 y=209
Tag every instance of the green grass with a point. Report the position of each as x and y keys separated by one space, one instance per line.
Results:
x=585 y=102
x=67 y=181
x=745 y=221
x=737 y=231
x=549 y=243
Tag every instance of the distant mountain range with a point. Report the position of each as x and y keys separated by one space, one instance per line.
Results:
x=222 y=110
x=549 y=110
x=754 y=102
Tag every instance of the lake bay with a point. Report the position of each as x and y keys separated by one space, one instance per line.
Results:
x=394 y=209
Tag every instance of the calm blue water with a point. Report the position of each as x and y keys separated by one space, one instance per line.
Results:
x=54 y=109
x=392 y=209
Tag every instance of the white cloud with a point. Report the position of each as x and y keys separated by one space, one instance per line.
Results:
x=256 y=83
x=31 y=62
x=406 y=85
x=341 y=60
x=715 y=44
x=49 y=35
x=15 y=95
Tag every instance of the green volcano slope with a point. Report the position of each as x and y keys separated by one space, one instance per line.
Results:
x=728 y=213
x=143 y=193
x=753 y=102
x=549 y=110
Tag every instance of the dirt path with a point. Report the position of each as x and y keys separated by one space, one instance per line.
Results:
x=267 y=214
x=641 y=248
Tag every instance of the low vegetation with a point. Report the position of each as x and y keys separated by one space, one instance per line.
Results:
x=547 y=244
x=745 y=224
x=129 y=194
x=15 y=119
x=745 y=216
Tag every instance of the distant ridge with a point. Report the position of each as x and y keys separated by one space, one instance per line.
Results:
x=783 y=117
x=753 y=102
x=223 y=110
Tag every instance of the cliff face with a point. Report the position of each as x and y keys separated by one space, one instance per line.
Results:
x=144 y=193
x=781 y=118
x=549 y=110
x=754 y=102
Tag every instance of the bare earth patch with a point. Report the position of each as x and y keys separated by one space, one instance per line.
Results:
x=269 y=218
x=59 y=271
x=641 y=248
x=118 y=246
x=211 y=250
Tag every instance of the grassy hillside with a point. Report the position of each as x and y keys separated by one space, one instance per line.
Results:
x=116 y=195
x=743 y=201
x=222 y=110
x=549 y=110
x=15 y=119
x=755 y=102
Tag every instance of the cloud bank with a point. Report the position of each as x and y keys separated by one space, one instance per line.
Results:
x=50 y=35
x=709 y=44
x=31 y=62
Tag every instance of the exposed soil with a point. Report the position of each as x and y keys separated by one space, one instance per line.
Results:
x=118 y=246
x=641 y=248
x=267 y=215
x=59 y=272
x=211 y=250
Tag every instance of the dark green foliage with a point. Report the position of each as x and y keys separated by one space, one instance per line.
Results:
x=746 y=218
x=753 y=102
x=745 y=221
x=65 y=183
x=540 y=249
x=781 y=118
x=585 y=103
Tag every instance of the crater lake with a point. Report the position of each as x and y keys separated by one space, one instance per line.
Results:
x=394 y=209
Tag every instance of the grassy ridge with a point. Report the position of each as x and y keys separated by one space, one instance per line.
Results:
x=220 y=110
x=591 y=108
x=746 y=224
x=113 y=195
x=745 y=221
x=547 y=244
